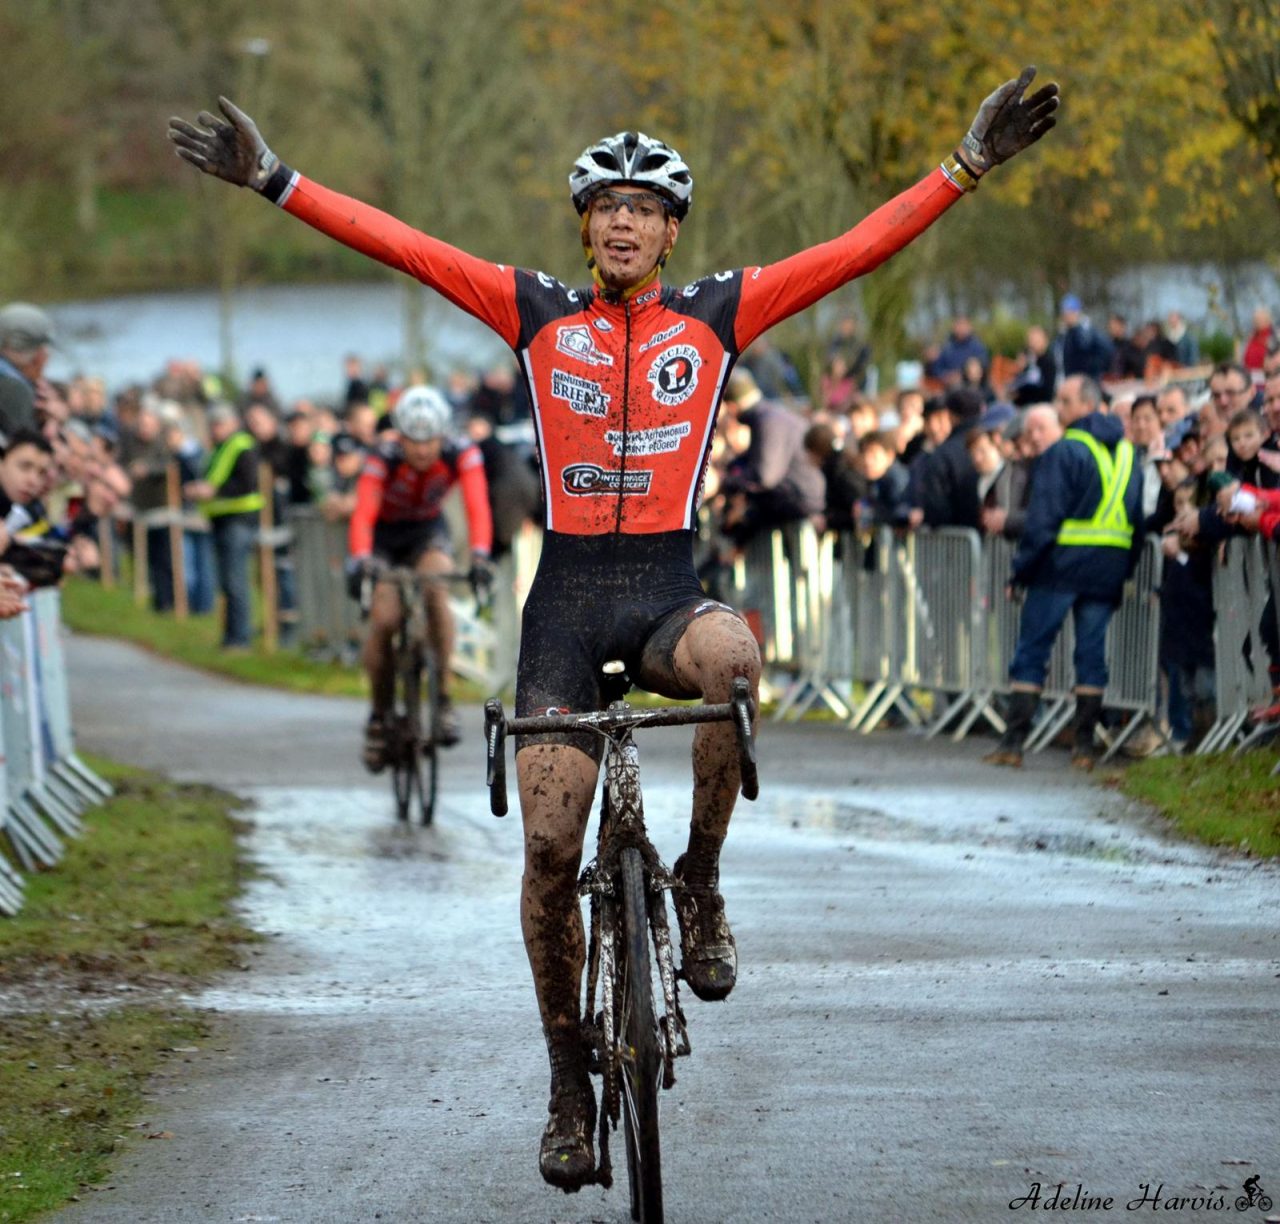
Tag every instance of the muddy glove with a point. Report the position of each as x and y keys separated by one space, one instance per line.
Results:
x=234 y=151
x=481 y=578
x=360 y=570
x=1006 y=123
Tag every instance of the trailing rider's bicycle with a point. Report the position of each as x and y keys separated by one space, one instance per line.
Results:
x=633 y=1044
x=412 y=742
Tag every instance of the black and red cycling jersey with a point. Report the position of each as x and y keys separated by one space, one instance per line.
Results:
x=390 y=490
x=625 y=393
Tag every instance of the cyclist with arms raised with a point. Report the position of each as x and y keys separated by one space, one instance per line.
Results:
x=625 y=378
x=397 y=520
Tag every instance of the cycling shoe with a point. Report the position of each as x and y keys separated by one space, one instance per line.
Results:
x=707 y=947
x=567 y=1157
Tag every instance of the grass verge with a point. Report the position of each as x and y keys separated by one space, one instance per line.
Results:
x=89 y=607
x=91 y=971
x=1221 y=800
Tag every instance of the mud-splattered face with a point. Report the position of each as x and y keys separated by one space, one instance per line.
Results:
x=629 y=239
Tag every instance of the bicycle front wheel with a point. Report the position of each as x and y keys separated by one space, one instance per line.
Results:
x=641 y=1061
x=427 y=742
x=406 y=764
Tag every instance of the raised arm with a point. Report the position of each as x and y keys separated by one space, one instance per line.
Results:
x=1006 y=123
x=233 y=150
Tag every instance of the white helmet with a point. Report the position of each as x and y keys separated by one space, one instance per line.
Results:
x=421 y=414
x=632 y=157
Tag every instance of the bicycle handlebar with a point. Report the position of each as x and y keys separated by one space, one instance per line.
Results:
x=738 y=710
x=403 y=574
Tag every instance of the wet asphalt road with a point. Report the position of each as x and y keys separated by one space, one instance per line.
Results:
x=956 y=983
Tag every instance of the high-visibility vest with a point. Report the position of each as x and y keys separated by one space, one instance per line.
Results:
x=1110 y=526
x=221 y=464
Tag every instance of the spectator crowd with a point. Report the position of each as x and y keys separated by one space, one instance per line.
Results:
x=959 y=447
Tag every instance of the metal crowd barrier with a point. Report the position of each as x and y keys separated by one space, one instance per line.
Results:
x=46 y=787
x=1241 y=585
x=921 y=624
x=917 y=626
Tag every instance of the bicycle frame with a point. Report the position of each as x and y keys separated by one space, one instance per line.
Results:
x=622 y=827
x=604 y=882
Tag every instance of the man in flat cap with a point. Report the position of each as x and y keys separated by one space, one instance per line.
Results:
x=26 y=333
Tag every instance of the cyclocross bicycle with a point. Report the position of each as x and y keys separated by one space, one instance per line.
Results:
x=411 y=739
x=633 y=1044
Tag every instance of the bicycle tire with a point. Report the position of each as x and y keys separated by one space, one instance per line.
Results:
x=427 y=759
x=641 y=1064
x=406 y=779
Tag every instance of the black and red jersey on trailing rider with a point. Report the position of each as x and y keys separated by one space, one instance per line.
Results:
x=624 y=394
x=390 y=490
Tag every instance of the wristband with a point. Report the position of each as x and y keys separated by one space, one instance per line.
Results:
x=279 y=186
x=959 y=173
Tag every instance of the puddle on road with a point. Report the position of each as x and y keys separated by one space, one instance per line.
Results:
x=804 y=810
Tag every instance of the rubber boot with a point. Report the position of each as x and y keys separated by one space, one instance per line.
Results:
x=1022 y=709
x=1088 y=711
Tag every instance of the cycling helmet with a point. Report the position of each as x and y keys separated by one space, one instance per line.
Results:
x=421 y=414
x=632 y=157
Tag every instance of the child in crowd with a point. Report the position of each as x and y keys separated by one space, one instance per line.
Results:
x=24 y=478
x=25 y=470
x=888 y=502
x=1245 y=436
x=1214 y=456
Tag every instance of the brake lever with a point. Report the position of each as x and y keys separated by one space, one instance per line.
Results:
x=495 y=739
x=741 y=702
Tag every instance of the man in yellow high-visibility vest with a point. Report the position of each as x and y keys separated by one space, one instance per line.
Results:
x=231 y=500
x=1081 y=543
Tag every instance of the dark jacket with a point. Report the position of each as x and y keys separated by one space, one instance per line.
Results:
x=947 y=484
x=890 y=498
x=1066 y=485
x=956 y=352
x=1082 y=349
x=846 y=487
x=17 y=400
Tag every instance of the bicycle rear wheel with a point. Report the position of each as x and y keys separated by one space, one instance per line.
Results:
x=641 y=1062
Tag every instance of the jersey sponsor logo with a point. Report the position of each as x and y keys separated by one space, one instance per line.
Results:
x=550 y=282
x=602 y=325
x=646 y=297
x=576 y=340
x=662 y=337
x=720 y=277
x=674 y=374
x=589 y=479
x=659 y=441
x=583 y=396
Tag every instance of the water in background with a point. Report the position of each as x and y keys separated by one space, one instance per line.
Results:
x=299 y=334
